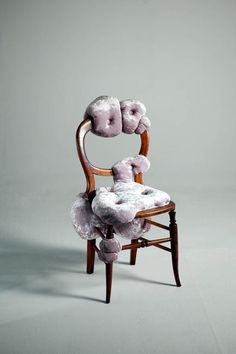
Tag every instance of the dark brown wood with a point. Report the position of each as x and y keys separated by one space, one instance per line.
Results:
x=164 y=248
x=82 y=130
x=144 y=243
x=109 y=269
x=89 y=169
x=156 y=241
x=96 y=248
x=110 y=233
x=90 y=255
x=133 y=252
x=157 y=224
x=155 y=211
x=100 y=232
x=174 y=246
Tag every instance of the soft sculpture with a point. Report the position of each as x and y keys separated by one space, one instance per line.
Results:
x=143 y=125
x=132 y=230
x=117 y=205
x=105 y=114
x=109 y=249
x=84 y=220
x=133 y=117
x=121 y=202
x=125 y=170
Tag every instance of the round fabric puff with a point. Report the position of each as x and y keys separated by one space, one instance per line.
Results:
x=132 y=112
x=126 y=169
x=144 y=124
x=109 y=249
x=84 y=220
x=132 y=230
x=105 y=114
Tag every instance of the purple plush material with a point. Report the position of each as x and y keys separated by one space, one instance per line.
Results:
x=132 y=230
x=124 y=171
x=109 y=249
x=133 y=113
x=143 y=125
x=105 y=114
x=118 y=205
x=84 y=220
x=121 y=202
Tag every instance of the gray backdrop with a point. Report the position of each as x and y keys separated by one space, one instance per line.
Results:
x=178 y=58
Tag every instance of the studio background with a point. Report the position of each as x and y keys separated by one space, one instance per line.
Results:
x=178 y=58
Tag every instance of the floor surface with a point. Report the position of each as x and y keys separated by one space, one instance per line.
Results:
x=48 y=304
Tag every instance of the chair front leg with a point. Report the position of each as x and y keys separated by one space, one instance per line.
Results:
x=109 y=270
x=174 y=246
x=90 y=255
x=133 y=253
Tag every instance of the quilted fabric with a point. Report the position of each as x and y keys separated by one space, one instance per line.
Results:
x=110 y=117
x=106 y=116
x=133 y=117
x=121 y=202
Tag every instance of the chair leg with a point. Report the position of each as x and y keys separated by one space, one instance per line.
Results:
x=109 y=268
x=174 y=246
x=90 y=256
x=133 y=253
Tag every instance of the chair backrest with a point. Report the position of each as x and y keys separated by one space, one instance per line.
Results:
x=91 y=170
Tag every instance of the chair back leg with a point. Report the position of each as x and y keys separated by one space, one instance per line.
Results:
x=90 y=255
x=109 y=269
x=133 y=253
x=174 y=246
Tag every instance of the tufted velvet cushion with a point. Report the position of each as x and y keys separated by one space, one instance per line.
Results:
x=118 y=204
x=121 y=202
x=133 y=120
x=125 y=169
x=105 y=114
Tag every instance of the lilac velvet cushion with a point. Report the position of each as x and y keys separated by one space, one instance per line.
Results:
x=109 y=249
x=84 y=220
x=133 y=117
x=105 y=114
x=121 y=202
x=125 y=169
x=133 y=229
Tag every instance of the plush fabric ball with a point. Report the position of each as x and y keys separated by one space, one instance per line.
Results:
x=107 y=257
x=132 y=230
x=143 y=125
x=132 y=112
x=110 y=245
x=105 y=114
x=84 y=220
x=125 y=169
x=109 y=249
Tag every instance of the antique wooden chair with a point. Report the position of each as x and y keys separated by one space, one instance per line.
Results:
x=90 y=170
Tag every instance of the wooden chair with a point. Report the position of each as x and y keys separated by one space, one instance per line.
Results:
x=90 y=171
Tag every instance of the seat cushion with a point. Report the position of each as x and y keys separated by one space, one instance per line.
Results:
x=121 y=202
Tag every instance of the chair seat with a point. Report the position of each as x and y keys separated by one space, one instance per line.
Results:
x=125 y=201
x=155 y=211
